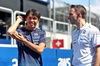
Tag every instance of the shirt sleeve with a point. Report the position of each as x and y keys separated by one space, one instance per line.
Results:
x=96 y=38
x=43 y=37
x=18 y=30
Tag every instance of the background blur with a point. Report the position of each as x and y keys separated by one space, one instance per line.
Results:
x=54 y=21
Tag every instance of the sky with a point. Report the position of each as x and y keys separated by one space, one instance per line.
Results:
x=95 y=4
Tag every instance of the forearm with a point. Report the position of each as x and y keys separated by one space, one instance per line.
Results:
x=97 y=60
x=36 y=48
x=13 y=27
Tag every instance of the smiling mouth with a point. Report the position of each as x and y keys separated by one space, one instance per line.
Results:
x=31 y=23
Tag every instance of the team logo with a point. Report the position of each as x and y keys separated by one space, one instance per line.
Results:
x=84 y=31
x=35 y=33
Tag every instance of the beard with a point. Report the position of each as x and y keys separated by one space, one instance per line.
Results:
x=74 y=21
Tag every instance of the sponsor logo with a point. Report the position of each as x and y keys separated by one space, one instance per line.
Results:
x=64 y=62
x=15 y=61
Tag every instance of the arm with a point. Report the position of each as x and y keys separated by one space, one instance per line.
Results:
x=13 y=27
x=97 y=56
x=37 y=48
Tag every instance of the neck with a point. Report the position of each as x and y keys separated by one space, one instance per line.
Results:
x=30 y=28
x=80 y=24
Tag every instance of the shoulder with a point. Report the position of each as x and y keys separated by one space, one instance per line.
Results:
x=40 y=31
x=20 y=29
x=93 y=28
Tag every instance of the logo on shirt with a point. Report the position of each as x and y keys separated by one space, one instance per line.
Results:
x=84 y=31
x=35 y=33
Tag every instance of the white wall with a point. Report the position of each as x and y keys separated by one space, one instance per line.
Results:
x=65 y=37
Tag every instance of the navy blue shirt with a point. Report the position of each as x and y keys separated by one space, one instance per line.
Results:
x=26 y=56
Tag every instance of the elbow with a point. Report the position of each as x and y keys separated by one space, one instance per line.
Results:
x=8 y=32
x=40 y=51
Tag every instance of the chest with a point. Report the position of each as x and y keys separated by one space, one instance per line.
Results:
x=32 y=37
x=81 y=38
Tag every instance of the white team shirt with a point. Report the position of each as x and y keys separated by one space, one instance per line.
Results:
x=83 y=43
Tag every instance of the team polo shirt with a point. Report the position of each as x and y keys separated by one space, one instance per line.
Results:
x=83 y=43
x=26 y=56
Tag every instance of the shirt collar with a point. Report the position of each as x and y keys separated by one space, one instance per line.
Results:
x=27 y=29
x=85 y=26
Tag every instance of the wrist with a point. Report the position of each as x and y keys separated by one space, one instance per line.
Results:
x=19 y=21
x=24 y=41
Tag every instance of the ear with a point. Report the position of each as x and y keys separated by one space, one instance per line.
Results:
x=79 y=14
x=38 y=20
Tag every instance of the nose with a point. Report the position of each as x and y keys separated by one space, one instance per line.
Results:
x=32 y=20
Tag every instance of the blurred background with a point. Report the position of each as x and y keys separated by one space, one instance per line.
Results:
x=54 y=20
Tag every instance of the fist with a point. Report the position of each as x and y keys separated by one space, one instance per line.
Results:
x=16 y=32
x=19 y=18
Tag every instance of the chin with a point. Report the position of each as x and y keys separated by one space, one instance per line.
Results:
x=33 y=26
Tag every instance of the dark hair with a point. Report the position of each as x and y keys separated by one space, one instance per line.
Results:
x=81 y=9
x=34 y=12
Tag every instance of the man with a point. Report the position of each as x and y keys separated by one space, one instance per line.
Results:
x=31 y=40
x=85 y=39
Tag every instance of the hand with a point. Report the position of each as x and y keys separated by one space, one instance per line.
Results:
x=19 y=18
x=19 y=38
x=13 y=34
